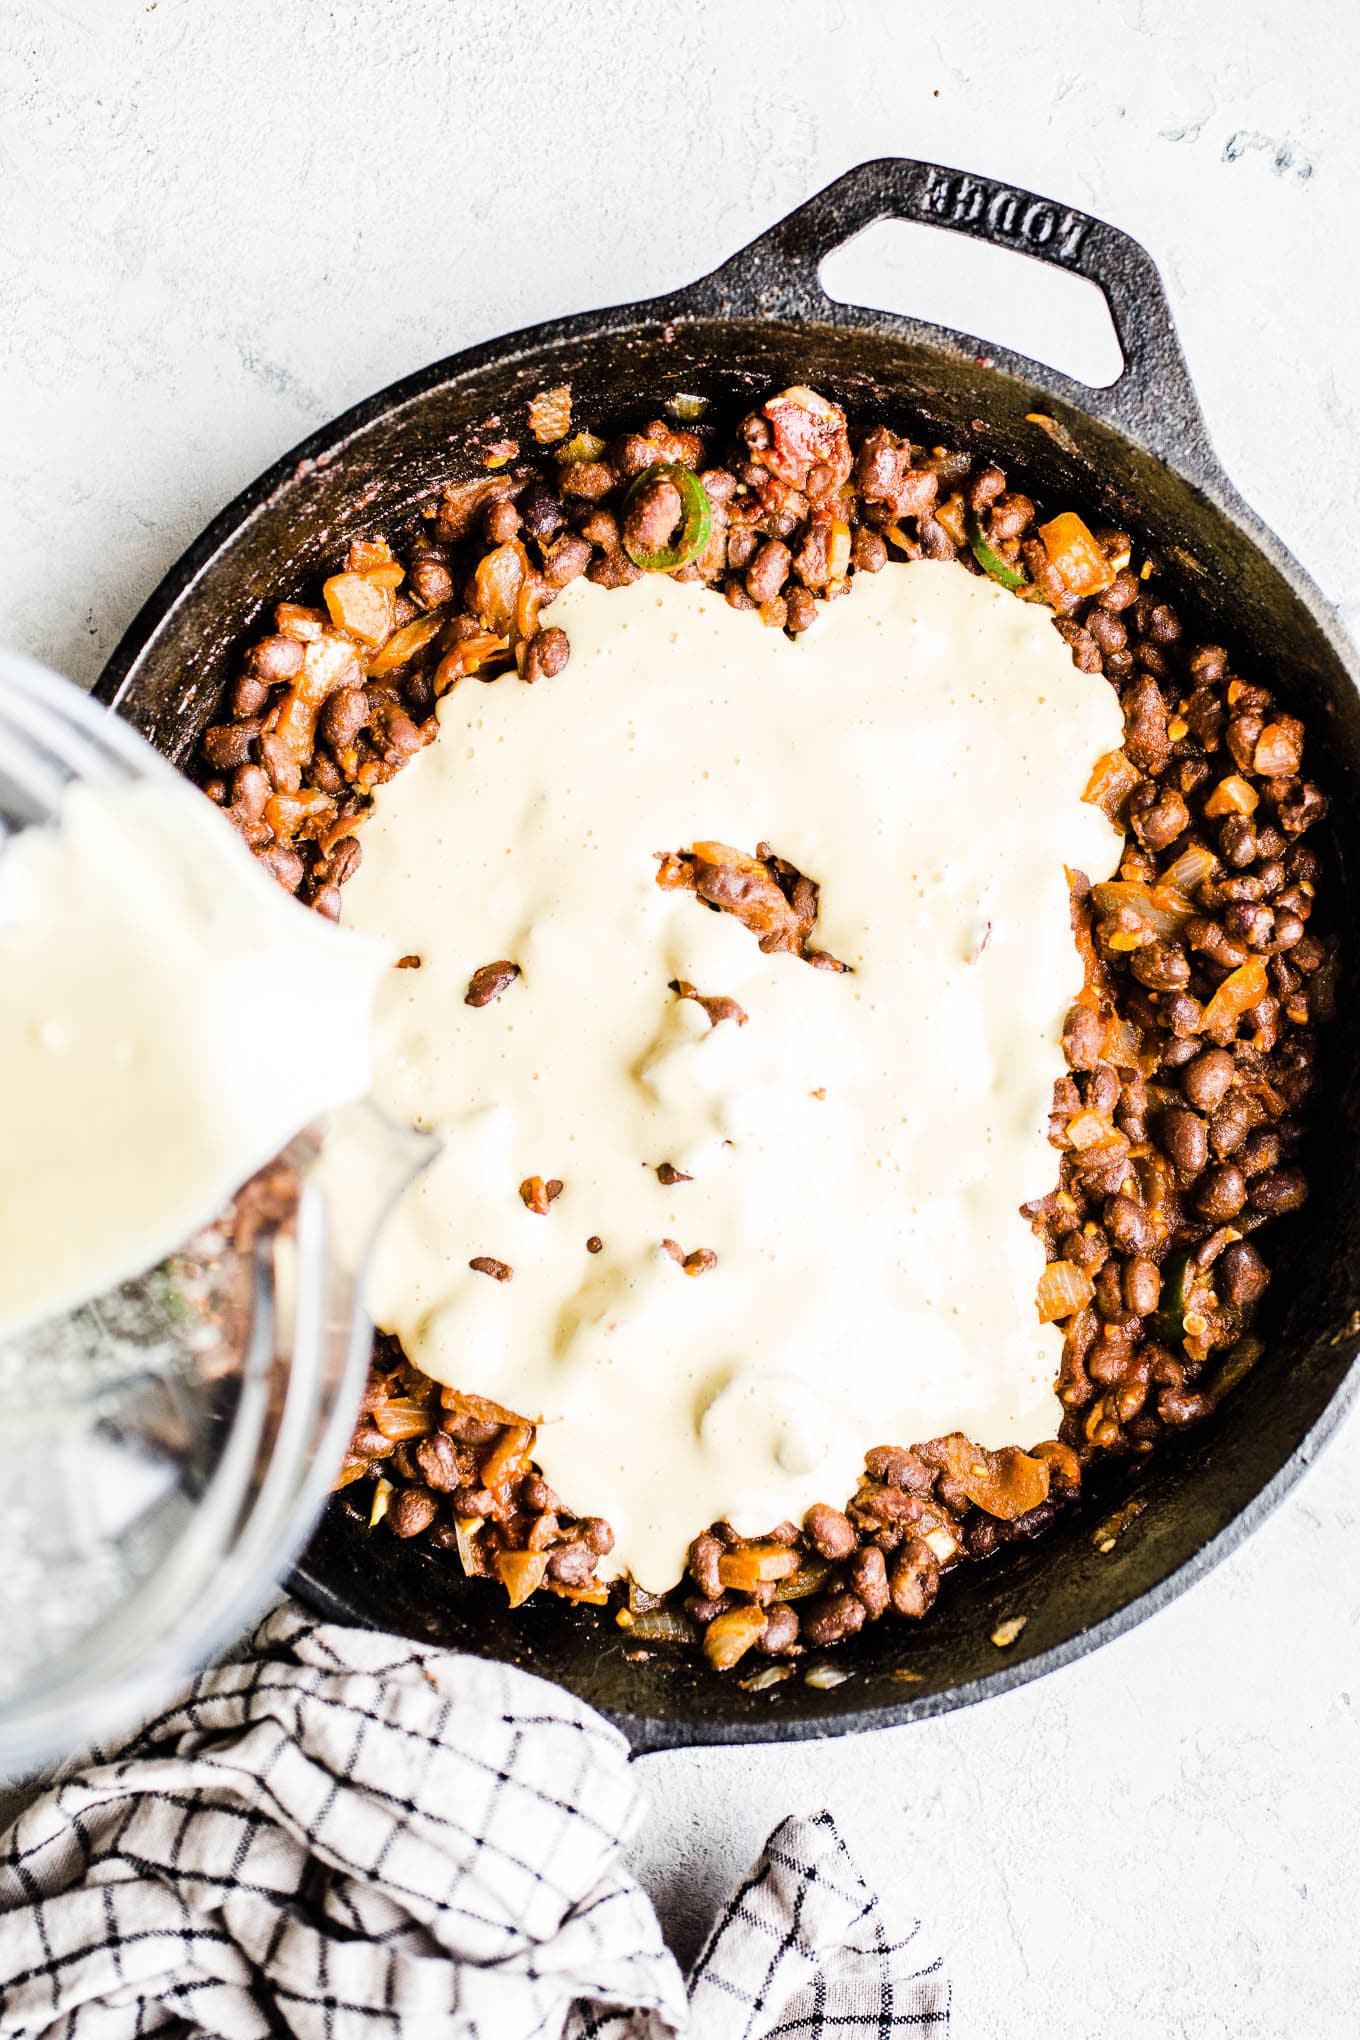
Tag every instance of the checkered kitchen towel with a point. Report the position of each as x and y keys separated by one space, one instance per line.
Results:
x=351 y=1836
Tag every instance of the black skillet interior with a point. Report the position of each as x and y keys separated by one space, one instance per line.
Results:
x=1135 y=454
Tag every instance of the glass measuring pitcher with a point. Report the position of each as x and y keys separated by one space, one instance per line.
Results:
x=169 y=1443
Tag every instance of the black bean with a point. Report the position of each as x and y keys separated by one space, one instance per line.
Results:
x=915 y=1579
x=437 y=1458
x=1107 y=630
x=828 y=1531
x=572 y=1564
x=900 y=1469
x=567 y=560
x=1249 y=922
x=831 y=1618
x=1083 y=1037
x=546 y=654
x=344 y=714
x=412 y=1511
x=780 y=1633
x=802 y=610
x=868 y=553
x=1206 y=1080
x=275 y=660
x=1277 y=1192
x=768 y=570
x=230 y=745
x=1241 y=1275
x=429 y=580
x=249 y=694
x=1208 y=664
x=1186 y=1140
x=1127 y=1224
x=1090 y=1250
x=1228 y=1126
x=985 y=487
x=344 y=860
x=1259 y=1151
x=1221 y=1192
x=1160 y=823
x=1161 y=966
x=1142 y=1285
x=868 y=1577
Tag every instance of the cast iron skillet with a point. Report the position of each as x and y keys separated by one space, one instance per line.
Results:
x=1136 y=454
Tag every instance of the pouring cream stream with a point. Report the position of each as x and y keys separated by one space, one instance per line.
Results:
x=169 y=1019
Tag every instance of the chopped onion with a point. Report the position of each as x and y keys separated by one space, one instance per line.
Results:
x=1191 y=869
x=1122 y=1043
x=661 y=1625
x=1079 y=561
x=594 y=1592
x=730 y=1635
x=746 y=1569
x=1084 y=1129
x=496 y=584
x=406 y=642
x=467 y=656
x=1239 y=992
x=1232 y=796
x=358 y=607
x=382 y=1496
x=823 y=1677
x=1111 y=783
x=1008 y=1483
x=401 y=1418
x=951 y=517
x=1063 y=1288
x=759 y=1682
x=1164 y=908
x=520 y=1572
x=1279 y=749
x=507 y=1454
x=480 y=1407
x=550 y=414
x=468 y=1529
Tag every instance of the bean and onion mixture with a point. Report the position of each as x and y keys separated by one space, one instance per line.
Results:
x=1191 y=1049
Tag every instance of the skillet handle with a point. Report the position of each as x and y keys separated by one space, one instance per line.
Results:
x=1153 y=401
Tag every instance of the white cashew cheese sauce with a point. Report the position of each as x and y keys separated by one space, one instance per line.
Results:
x=858 y=1149
x=169 y=1019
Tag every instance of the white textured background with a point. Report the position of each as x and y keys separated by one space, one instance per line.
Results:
x=221 y=221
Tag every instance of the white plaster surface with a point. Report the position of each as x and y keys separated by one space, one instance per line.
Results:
x=221 y=221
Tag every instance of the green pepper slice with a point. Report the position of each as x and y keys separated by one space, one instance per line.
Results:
x=696 y=511
x=1178 y=1282
x=990 y=560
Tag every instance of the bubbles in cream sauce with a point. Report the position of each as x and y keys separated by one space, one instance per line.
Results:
x=858 y=1150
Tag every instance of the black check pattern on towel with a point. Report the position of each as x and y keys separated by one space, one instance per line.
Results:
x=348 y=1837
x=799 y=1952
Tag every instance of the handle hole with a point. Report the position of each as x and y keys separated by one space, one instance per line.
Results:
x=1000 y=294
